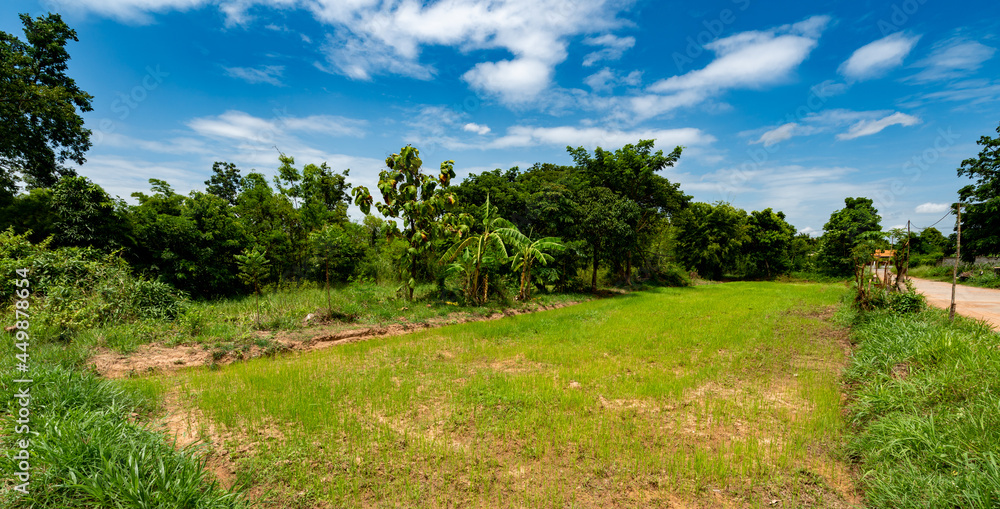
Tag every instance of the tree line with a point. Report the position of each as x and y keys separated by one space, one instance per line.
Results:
x=611 y=217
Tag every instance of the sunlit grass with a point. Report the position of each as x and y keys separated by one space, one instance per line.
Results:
x=234 y=321
x=714 y=393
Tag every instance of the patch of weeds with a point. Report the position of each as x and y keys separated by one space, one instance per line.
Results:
x=929 y=438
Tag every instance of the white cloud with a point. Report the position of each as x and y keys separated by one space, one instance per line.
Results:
x=372 y=37
x=748 y=60
x=476 y=128
x=971 y=92
x=606 y=80
x=862 y=123
x=235 y=125
x=514 y=81
x=266 y=74
x=525 y=136
x=951 y=59
x=238 y=125
x=130 y=11
x=614 y=48
x=877 y=58
x=869 y=127
x=932 y=208
x=778 y=134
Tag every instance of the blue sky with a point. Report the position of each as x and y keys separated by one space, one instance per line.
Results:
x=790 y=105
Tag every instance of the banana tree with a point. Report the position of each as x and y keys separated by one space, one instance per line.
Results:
x=497 y=234
x=528 y=254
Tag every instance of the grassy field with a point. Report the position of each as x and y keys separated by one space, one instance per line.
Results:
x=925 y=411
x=232 y=323
x=717 y=395
x=978 y=275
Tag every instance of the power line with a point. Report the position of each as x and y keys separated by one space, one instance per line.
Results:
x=946 y=214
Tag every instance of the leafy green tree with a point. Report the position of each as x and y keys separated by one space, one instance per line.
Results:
x=496 y=234
x=271 y=222
x=418 y=199
x=31 y=212
x=766 y=253
x=225 y=182
x=187 y=241
x=981 y=210
x=87 y=216
x=630 y=172
x=930 y=241
x=841 y=233
x=40 y=127
x=324 y=196
x=709 y=237
x=802 y=251
x=288 y=178
x=253 y=269
x=610 y=222
x=337 y=252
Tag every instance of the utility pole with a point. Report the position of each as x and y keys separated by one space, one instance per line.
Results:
x=954 y=270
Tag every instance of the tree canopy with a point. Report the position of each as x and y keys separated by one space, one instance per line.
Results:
x=40 y=125
x=981 y=215
x=842 y=233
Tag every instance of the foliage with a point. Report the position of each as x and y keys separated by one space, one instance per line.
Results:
x=841 y=234
x=630 y=174
x=253 y=268
x=527 y=254
x=89 y=453
x=33 y=213
x=87 y=217
x=187 y=241
x=75 y=289
x=710 y=237
x=610 y=221
x=225 y=182
x=40 y=127
x=336 y=252
x=417 y=199
x=923 y=395
x=981 y=215
x=496 y=234
x=767 y=251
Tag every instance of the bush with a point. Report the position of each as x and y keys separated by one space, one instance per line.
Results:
x=672 y=275
x=80 y=288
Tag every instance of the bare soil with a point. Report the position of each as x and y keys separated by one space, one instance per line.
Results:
x=157 y=358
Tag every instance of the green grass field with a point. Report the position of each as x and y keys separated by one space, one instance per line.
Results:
x=716 y=395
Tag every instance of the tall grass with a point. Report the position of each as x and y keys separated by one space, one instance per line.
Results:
x=715 y=391
x=87 y=452
x=925 y=410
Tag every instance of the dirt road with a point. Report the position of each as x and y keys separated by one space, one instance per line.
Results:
x=981 y=303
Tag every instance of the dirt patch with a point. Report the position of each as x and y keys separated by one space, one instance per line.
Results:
x=188 y=427
x=158 y=358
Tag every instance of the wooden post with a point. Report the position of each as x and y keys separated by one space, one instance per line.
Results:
x=958 y=256
x=906 y=264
